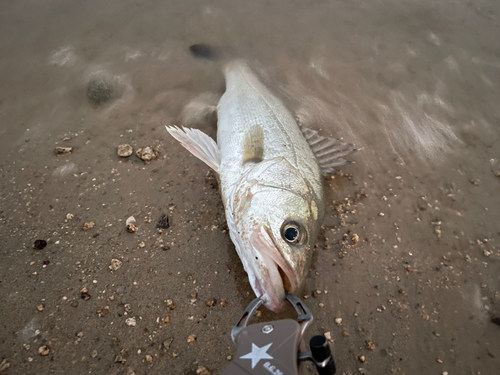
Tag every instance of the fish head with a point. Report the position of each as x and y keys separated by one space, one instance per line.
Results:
x=276 y=221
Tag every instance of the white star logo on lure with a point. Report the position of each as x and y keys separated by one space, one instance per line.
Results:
x=257 y=354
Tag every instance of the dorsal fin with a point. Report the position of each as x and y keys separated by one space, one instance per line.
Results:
x=199 y=144
x=253 y=146
x=329 y=152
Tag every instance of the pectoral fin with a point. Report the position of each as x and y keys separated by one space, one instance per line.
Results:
x=199 y=144
x=329 y=152
x=253 y=145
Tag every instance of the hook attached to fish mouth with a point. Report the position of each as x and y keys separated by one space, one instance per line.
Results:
x=281 y=275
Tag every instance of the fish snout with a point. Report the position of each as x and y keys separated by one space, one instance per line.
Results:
x=278 y=275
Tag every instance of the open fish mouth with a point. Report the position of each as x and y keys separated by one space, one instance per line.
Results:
x=280 y=274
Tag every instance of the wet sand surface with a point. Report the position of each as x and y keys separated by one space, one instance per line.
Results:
x=409 y=254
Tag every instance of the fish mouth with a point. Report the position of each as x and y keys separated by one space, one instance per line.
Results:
x=281 y=276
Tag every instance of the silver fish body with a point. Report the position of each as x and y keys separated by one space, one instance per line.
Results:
x=270 y=180
x=262 y=196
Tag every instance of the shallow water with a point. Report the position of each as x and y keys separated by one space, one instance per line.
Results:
x=415 y=84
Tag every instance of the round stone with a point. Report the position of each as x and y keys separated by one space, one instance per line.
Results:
x=99 y=91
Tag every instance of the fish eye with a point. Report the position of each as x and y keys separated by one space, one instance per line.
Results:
x=293 y=233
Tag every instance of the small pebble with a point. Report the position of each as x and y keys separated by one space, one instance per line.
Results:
x=475 y=181
x=39 y=244
x=63 y=150
x=93 y=354
x=4 y=365
x=338 y=321
x=44 y=350
x=40 y=308
x=211 y=302
x=191 y=338
x=147 y=153
x=142 y=245
x=370 y=345
x=115 y=264
x=170 y=304
x=131 y=322
x=328 y=336
x=69 y=216
x=89 y=225
x=381 y=214
x=131 y=228
x=149 y=358
x=361 y=358
x=167 y=320
x=125 y=150
x=130 y=225
x=85 y=294
x=439 y=360
x=202 y=371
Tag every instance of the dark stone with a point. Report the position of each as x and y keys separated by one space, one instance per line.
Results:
x=85 y=296
x=39 y=244
x=99 y=91
x=204 y=51
x=163 y=223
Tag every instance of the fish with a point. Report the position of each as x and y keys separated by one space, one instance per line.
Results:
x=270 y=170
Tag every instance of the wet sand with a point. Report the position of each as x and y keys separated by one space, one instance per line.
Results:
x=409 y=254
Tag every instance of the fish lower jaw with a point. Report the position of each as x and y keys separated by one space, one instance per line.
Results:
x=274 y=291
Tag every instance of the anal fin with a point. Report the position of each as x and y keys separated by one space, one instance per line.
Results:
x=329 y=152
x=199 y=144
